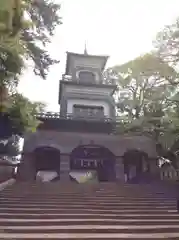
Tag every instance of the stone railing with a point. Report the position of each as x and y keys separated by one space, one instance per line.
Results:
x=169 y=174
x=55 y=115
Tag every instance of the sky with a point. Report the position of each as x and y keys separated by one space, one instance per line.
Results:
x=122 y=29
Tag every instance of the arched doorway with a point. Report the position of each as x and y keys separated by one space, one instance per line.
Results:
x=136 y=162
x=94 y=158
x=47 y=159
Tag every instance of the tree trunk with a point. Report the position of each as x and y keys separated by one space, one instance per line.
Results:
x=3 y=95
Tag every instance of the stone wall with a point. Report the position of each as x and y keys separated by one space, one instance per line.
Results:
x=67 y=141
x=26 y=170
x=6 y=173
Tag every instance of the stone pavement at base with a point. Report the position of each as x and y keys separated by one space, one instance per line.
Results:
x=87 y=211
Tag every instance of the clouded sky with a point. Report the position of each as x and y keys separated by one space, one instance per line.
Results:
x=122 y=29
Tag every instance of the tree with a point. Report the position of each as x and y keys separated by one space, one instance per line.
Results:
x=142 y=83
x=11 y=47
x=21 y=113
x=144 y=94
x=167 y=49
x=10 y=16
x=26 y=39
x=44 y=16
x=26 y=28
x=167 y=44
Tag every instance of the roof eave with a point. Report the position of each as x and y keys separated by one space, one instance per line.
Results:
x=77 y=54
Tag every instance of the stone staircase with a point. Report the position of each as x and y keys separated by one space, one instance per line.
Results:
x=56 y=210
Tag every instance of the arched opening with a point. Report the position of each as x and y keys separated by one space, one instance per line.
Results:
x=47 y=159
x=136 y=163
x=94 y=158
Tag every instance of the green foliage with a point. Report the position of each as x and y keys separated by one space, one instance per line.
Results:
x=22 y=113
x=167 y=50
x=11 y=60
x=10 y=147
x=26 y=39
x=146 y=66
x=147 y=98
x=23 y=39
x=167 y=44
x=45 y=17
x=26 y=28
x=143 y=86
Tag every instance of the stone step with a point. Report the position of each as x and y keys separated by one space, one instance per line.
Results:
x=116 y=200
x=101 y=186
x=86 y=208
x=39 y=197
x=120 y=192
x=87 y=204
x=75 y=190
x=93 y=194
x=78 y=190
x=88 y=216
x=100 y=211
x=86 y=187
x=39 y=228
x=43 y=215
x=139 y=195
x=77 y=186
x=113 y=203
x=90 y=236
x=83 y=188
x=87 y=198
x=148 y=192
x=85 y=221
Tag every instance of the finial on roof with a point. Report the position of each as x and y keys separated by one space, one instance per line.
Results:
x=85 y=50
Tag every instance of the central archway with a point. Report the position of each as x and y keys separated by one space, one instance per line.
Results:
x=47 y=159
x=96 y=158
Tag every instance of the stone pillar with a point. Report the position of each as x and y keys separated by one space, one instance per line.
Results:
x=64 y=167
x=26 y=170
x=119 y=170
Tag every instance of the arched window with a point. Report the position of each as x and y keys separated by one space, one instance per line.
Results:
x=87 y=76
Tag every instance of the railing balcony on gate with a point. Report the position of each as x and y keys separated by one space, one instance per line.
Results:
x=104 y=80
x=73 y=123
x=88 y=117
